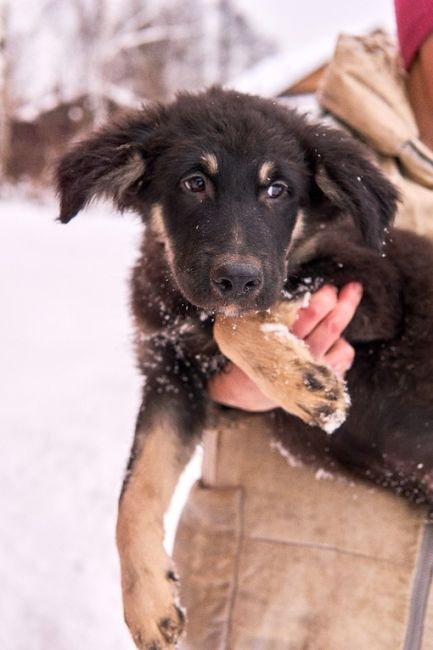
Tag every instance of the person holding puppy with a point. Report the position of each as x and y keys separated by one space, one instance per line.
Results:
x=274 y=554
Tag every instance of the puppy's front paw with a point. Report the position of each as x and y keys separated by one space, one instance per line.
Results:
x=262 y=345
x=150 y=600
x=321 y=396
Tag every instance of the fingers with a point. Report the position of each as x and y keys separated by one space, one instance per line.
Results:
x=232 y=387
x=320 y=325
x=321 y=303
x=329 y=329
x=340 y=357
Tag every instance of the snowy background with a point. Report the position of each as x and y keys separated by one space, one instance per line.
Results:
x=69 y=391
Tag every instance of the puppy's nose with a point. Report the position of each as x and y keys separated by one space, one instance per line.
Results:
x=237 y=279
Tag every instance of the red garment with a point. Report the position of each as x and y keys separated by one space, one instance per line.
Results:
x=414 y=24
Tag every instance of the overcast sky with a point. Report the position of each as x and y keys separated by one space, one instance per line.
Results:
x=291 y=22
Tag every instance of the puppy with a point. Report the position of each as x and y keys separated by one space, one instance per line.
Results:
x=245 y=202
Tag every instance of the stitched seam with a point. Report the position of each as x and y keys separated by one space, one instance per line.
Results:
x=237 y=559
x=419 y=591
x=419 y=153
x=326 y=547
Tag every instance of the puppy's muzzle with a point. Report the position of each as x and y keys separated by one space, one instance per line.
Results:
x=237 y=279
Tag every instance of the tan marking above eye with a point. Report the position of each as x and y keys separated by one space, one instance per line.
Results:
x=211 y=163
x=265 y=172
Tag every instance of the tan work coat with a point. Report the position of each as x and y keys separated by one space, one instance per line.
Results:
x=274 y=555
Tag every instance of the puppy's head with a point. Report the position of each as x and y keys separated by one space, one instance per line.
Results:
x=230 y=184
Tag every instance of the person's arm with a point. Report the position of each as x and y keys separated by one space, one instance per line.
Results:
x=320 y=325
x=420 y=89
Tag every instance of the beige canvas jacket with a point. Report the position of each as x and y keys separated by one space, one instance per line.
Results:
x=274 y=555
x=365 y=88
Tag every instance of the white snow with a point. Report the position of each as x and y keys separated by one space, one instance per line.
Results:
x=293 y=24
x=306 y=299
x=292 y=461
x=276 y=328
x=274 y=74
x=69 y=396
x=323 y=475
x=329 y=423
x=305 y=35
x=282 y=331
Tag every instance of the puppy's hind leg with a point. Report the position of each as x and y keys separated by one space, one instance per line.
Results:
x=163 y=444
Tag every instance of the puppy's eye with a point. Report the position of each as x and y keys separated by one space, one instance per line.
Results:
x=276 y=189
x=194 y=183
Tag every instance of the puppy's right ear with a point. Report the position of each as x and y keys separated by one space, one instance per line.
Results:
x=110 y=164
x=346 y=180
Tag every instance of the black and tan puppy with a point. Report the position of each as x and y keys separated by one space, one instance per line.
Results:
x=243 y=200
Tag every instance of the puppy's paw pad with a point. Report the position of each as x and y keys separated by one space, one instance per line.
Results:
x=322 y=397
x=152 y=614
x=172 y=576
x=153 y=645
x=172 y=627
x=313 y=381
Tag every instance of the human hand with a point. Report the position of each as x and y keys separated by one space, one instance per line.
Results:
x=320 y=325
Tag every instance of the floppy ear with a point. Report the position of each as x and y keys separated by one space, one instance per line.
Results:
x=344 y=180
x=109 y=164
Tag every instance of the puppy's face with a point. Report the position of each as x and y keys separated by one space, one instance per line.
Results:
x=230 y=184
x=227 y=210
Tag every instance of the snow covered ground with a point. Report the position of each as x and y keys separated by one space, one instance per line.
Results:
x=69 y=395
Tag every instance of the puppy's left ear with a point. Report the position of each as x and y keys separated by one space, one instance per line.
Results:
x=344 y=180
x=111 y=164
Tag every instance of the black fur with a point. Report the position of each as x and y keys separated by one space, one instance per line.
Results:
x=229 y=246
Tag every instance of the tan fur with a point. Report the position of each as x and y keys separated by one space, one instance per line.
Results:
x=282 y=366
x=148 y=584
x=298 y=231
x=119 y=179
x=157 y=223
x=211 y=162
x=265 y=173
x=158 y=228
x=328 y=187
x=305 y=250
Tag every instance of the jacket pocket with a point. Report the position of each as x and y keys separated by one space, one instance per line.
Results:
x=206 y=553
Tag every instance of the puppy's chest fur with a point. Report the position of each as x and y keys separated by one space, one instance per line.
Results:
x=390 y=333
x=162 y=313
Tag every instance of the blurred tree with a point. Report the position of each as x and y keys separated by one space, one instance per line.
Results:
x=4 y=123
x=76 y=61
x=75 y=48
x=221 y=44
x=118 y=53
